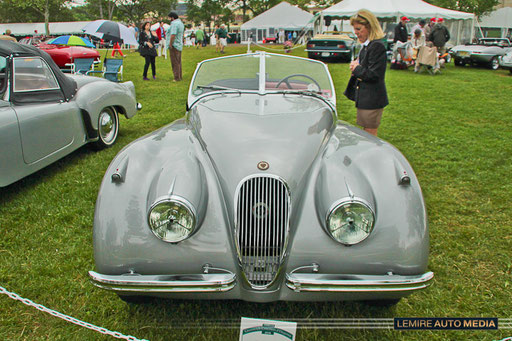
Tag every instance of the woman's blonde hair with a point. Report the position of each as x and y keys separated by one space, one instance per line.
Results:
x=369 y=20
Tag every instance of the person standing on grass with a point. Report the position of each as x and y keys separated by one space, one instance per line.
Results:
x=222 y=38
x=366 y=85
x=199 y=37
x=428 y=29
x=417 y=41
x=401 y=33
x=421 y=26
x=147 y=49
x=217 y=41
x=175 y=43
x=117 y=49
x=162 y=47
x=439 y=36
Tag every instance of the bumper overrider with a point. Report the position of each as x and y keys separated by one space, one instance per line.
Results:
x=298 y=282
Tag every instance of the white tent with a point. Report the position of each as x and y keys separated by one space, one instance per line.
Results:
x=282 y=16
x=501 y=19
x=56 y=28
x=394 y=8
x=460 y=23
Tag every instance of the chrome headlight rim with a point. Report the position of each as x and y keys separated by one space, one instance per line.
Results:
x=181 y=201
x=344 y=201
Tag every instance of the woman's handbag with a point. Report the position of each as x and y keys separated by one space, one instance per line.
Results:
x=350 y=91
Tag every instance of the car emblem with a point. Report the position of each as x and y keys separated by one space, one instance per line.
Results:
x=263 y=165
x=260 y=210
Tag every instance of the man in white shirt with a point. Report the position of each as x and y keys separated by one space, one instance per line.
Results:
x=421 y=26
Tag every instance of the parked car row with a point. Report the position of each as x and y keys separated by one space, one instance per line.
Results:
x=179 y=214
x=62 y=55
x=341 y=46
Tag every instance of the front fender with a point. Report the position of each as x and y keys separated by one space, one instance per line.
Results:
x=357 y=164
x=167 y=160
x=93 y=96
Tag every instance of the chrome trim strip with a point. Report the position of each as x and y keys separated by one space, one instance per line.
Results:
x=331 y=51
x=165 y=283
x=300 y=282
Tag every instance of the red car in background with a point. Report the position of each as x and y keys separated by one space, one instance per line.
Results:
x=270 y=40
x=62 y=54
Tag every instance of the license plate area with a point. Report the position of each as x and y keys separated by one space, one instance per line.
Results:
x=326 y=54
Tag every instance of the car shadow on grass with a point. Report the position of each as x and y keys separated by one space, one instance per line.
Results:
x=194 y=314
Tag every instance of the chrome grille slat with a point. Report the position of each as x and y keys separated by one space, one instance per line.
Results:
x=261 y=227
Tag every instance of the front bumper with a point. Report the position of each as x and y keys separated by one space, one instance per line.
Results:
x=221 y=282
x=329 y=53
x=357 y=283
x=164 y=283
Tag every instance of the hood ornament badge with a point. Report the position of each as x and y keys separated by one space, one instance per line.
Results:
x=263 y=165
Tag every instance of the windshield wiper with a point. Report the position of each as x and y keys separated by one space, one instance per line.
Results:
x=216 y=87
x=308 y=92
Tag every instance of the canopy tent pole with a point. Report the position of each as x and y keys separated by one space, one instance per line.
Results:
x=321 y=22
x=479 y=28
x=458 y=32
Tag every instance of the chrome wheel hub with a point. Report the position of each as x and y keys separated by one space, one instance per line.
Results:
x=106 y=127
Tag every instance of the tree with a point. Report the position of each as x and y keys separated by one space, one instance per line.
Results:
x=303 y=4
x=209 y=11
x=95 y=9
x=34 y=11
x=255 y=6
x=136 y=10
x=478 y=7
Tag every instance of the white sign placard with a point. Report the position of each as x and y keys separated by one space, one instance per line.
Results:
x=252 y=329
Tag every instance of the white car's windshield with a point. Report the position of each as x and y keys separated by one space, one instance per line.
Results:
x=263 y=73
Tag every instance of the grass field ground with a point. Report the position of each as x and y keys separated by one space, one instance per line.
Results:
x=455 y=129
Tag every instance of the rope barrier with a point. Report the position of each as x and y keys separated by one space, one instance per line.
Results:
x=67 y=318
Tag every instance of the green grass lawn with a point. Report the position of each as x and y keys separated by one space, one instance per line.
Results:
x=454 y=128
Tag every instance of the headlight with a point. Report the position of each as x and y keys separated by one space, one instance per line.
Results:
x=172 y=219
x=350 y=221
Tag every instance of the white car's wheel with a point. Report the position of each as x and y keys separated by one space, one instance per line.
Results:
x=108 y=128
x=494 y=63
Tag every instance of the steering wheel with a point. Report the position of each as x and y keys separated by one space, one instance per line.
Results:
x=287 y=78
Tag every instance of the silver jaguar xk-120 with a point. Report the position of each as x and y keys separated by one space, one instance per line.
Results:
x=259 y=193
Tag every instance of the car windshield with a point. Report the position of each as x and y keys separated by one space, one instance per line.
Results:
x=262 y=73
x=494 y=42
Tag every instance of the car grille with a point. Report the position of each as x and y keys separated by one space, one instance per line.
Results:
x=262 y=214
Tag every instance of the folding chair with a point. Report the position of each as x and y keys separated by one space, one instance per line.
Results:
x=113 y=69
x=82 y=65
x=427 y=57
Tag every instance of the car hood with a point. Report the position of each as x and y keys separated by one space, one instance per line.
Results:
x=239 y=131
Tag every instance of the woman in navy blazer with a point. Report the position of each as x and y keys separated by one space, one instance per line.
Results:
x=366 y=86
